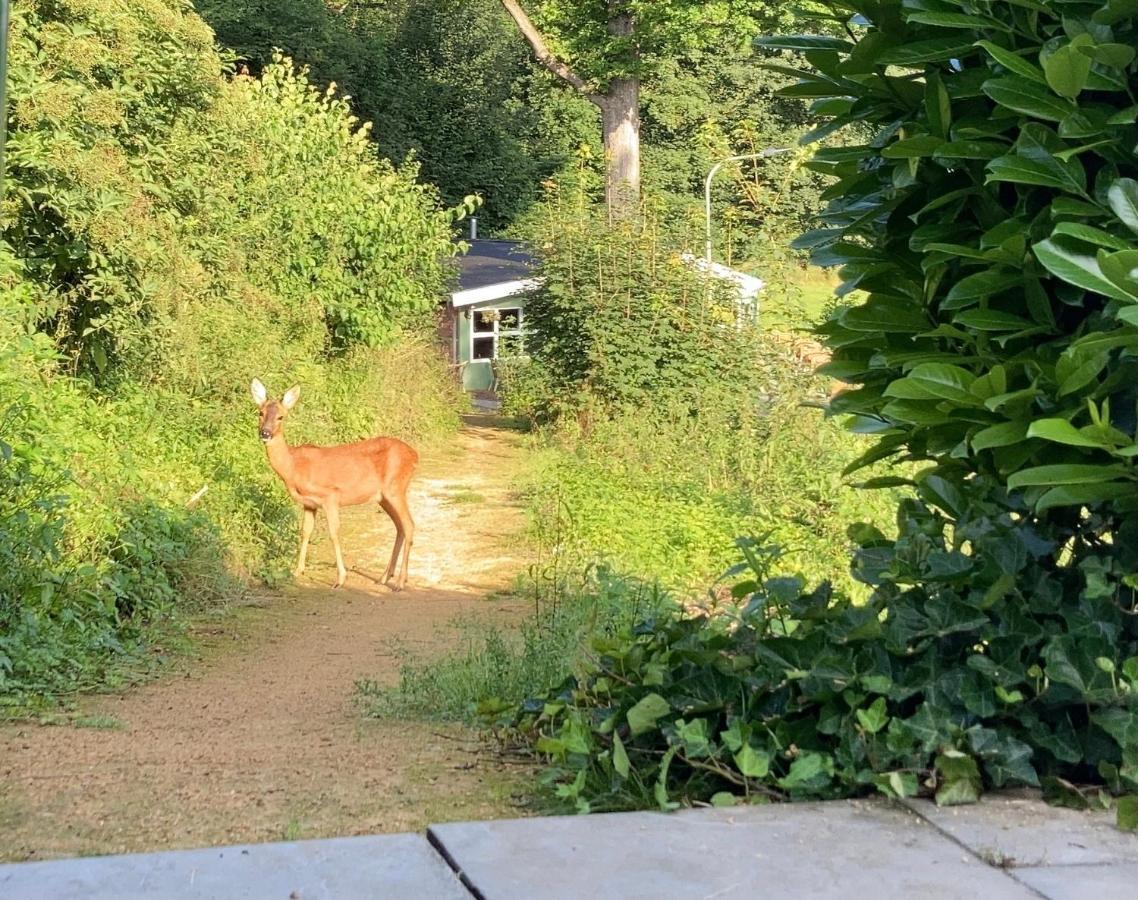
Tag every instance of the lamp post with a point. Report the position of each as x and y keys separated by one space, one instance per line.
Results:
x=762 y=154
x=3 y=89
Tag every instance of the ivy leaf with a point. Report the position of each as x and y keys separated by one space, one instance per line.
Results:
x=694 y=737
x=642 y=717
x=1061 y=667
x=875 y=717
x=1060 y=792
x=619 y=756
x=930 y=727
x=959 y=779
x=1011 y=764
x=1128 y=812
x=810 y=770
x=753 y=763
x=898 y=784
x=1120 y=724
x=735 y=736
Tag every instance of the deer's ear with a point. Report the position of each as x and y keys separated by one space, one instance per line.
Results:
x=260 y=395
x=290 y=397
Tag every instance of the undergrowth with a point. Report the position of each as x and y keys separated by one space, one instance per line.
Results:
x=509 y=664
x=989 y=218
x=168 y=233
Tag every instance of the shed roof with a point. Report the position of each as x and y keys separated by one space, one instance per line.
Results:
x=493 y=262
x=494 y=270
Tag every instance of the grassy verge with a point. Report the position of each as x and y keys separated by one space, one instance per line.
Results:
x=495 y=666
x=637 y=516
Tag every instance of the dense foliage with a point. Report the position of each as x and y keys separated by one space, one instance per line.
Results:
x=454 y=85
x=623 y=319
x=702 y=108
x=991 y=220
x=167 y=235
x=580 y=32
x=448 y=83
x=804 y=695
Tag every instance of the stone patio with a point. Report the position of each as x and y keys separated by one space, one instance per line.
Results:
x=1004 y=848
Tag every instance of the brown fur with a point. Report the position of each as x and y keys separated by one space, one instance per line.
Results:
x=375 y=470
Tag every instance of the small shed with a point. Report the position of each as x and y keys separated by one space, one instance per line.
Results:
x=484 y=319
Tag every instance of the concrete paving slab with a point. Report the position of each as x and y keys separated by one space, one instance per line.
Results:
x=807 y=850
x=1082 y=882
x=1021 y=830
x=388 y=867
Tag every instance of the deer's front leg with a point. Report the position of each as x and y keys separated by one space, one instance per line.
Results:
x=308 y=522
x=332 y=513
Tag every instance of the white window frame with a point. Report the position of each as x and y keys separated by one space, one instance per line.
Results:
x=520 y=331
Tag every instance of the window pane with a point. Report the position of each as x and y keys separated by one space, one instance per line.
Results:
x=484 y=348
x=484 y=320
x=510 y=319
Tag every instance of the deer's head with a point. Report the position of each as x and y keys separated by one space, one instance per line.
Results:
x=272 y=412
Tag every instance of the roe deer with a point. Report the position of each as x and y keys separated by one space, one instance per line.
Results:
x=376 y=470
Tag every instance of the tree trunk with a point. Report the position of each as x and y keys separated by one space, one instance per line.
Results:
x=620 y=116
x=619 y=105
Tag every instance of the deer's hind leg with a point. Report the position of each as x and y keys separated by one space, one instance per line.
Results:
x=396 y=507
x=385 y=504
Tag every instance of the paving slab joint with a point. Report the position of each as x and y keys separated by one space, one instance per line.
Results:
x=1008 y=873
x=441 y=850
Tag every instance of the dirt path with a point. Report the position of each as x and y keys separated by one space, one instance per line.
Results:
x=259 y=739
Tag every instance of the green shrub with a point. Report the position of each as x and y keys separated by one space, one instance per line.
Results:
x=144 y=186
x=807 y=696
x=167 y=235
x=662 y=494
x=990 y=220
x=495 y=667
x=621 y=319
x=669 y=427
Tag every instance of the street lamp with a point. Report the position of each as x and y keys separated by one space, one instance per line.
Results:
x=762 y=154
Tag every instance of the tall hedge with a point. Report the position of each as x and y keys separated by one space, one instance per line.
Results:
x=991 y=220
x=168 y=233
